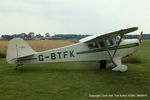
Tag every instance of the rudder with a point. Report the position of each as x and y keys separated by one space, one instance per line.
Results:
x=18 y=48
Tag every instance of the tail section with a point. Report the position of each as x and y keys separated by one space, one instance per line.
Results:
x=18 y=48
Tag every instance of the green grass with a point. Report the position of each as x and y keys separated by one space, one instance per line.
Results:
x=75 y=80
x=2 y=55
x=73 y=40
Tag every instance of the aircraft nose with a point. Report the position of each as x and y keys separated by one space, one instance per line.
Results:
x=137 y=41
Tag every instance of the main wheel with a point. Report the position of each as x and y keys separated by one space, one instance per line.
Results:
x=102 y=64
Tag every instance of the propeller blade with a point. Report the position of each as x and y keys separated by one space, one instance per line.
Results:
x=140 y=37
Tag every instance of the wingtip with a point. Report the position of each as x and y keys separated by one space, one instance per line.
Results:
x=132 y=29
x=135 y=28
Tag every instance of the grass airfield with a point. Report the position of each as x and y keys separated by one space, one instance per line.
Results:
x=76 y=80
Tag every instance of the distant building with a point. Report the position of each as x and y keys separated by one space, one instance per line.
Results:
x=43 y=38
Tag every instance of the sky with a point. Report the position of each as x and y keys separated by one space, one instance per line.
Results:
x=73 y=16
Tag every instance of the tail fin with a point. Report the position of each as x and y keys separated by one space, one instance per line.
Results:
x=18 y=48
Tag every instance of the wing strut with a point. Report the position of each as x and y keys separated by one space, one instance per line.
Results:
x=111 y=58
x=116 y=48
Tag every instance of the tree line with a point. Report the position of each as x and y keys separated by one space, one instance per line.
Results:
x=32 y=36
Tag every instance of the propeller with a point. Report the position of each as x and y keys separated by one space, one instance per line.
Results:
x=140 y=37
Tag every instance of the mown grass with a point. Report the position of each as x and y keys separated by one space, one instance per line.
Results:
x=75 y=80
x=39 y=45
x=2 y=55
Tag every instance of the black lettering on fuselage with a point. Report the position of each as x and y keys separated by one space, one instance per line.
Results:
x=58 y=55
x=53 y=56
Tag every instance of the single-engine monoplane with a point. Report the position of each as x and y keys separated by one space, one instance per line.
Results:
x=99 y=47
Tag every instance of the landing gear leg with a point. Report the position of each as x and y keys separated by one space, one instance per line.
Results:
x=102 y=64
x=119 y=67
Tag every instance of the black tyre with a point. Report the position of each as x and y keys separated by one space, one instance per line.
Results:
x=102 y=64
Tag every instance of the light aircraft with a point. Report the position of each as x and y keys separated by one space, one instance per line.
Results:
x=100 y=47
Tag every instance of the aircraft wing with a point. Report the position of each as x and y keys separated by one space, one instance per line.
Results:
x=108 y=35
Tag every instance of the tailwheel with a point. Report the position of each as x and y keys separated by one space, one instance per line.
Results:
x=102 y=64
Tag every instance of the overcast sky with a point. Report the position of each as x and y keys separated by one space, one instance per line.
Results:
x=73 y=16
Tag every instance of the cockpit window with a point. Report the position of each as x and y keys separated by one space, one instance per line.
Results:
x=92 y=45
x=118 y=38
x=111 y=42
x=101 y=43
